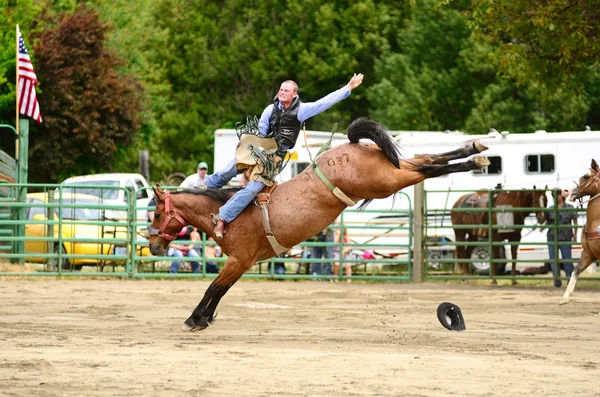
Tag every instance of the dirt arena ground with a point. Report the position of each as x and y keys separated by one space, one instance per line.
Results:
x=123 y=338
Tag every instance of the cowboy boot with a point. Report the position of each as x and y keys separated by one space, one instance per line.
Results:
x=219 y=229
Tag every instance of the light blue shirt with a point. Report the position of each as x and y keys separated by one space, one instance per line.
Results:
x=306 y=110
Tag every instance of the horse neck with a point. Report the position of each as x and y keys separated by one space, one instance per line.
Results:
x=196 y=210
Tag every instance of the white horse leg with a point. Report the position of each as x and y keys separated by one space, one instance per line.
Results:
x=584 y=261
x=570 y=288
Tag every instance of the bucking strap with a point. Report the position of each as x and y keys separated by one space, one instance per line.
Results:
x=336 y=191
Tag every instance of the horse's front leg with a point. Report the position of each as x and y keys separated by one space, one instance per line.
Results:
x=204 y=314
x=584 y=261
x=201 y=317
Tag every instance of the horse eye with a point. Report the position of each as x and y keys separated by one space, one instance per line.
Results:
x=157 y=216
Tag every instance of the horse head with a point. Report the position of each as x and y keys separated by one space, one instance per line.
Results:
x=588 y=184
x=166 y=224
x=539 y=200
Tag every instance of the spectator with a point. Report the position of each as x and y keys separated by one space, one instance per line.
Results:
x=320 y=252
x=340 y=236
x=564 y=235
x=197 y=180
x=180 y=250
x=279 y=266
x=212 y=251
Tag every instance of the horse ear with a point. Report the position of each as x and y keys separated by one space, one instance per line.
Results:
x=594 y=166
x=159 y=193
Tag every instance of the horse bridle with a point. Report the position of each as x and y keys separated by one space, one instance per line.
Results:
x=170 y=214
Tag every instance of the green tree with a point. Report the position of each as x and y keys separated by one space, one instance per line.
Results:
x=225 y=60
x=443 y=79
x=430 y=83
x=553 y=42
x=89 y=108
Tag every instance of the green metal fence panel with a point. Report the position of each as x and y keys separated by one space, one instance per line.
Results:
x=68 y=233
x=533 y=247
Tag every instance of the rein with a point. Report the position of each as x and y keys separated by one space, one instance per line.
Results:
x=171 y=213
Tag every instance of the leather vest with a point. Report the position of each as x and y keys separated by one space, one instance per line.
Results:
x=284 y=125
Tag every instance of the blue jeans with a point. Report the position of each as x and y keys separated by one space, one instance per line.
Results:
x=222 y=177
x=565 y=253
x=318 y=253
x=241 y=199
x=212 y=267
x=176 y=253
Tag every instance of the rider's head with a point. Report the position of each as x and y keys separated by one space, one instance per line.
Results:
x=287 y=93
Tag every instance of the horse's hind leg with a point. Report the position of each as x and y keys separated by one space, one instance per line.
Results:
x=584 y=261
x=435 y=170
x=469 y=148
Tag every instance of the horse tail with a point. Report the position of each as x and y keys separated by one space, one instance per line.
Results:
x=369 y=129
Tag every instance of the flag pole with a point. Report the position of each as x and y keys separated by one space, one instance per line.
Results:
x=17 y=93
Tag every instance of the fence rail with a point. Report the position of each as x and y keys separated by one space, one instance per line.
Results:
x=81 y=235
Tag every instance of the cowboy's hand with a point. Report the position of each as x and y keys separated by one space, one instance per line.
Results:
x=355 y=81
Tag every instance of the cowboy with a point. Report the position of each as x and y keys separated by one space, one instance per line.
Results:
x=281 y=120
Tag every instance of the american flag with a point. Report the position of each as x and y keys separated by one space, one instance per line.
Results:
x=28 y=104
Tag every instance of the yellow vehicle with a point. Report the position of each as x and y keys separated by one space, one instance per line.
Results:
x=81 y=225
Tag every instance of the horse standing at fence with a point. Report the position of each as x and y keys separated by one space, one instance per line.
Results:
x=303 y=206
x=469 y=200
x=513 y=220
x=589 y=185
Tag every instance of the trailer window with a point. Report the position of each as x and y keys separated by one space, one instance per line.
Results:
x=539 y=163
x=494 y=168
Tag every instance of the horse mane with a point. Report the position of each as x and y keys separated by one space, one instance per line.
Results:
x=363 y=128
x=220 y=195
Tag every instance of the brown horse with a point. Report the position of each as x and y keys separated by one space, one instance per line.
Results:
x=589 y=185
x=301 y=207
x=514 y=220
x=470 y=200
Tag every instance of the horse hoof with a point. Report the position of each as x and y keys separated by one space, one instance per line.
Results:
x=563 y=301
x=479 y=147
x=481 y=162
x=190 y=325
x=189 y=328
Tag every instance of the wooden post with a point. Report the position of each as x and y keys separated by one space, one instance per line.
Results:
x=418 y=273
x=144 y=166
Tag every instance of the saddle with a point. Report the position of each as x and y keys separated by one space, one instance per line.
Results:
x=260 y=158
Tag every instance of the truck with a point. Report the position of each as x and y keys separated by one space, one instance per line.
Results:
x=115 y=194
